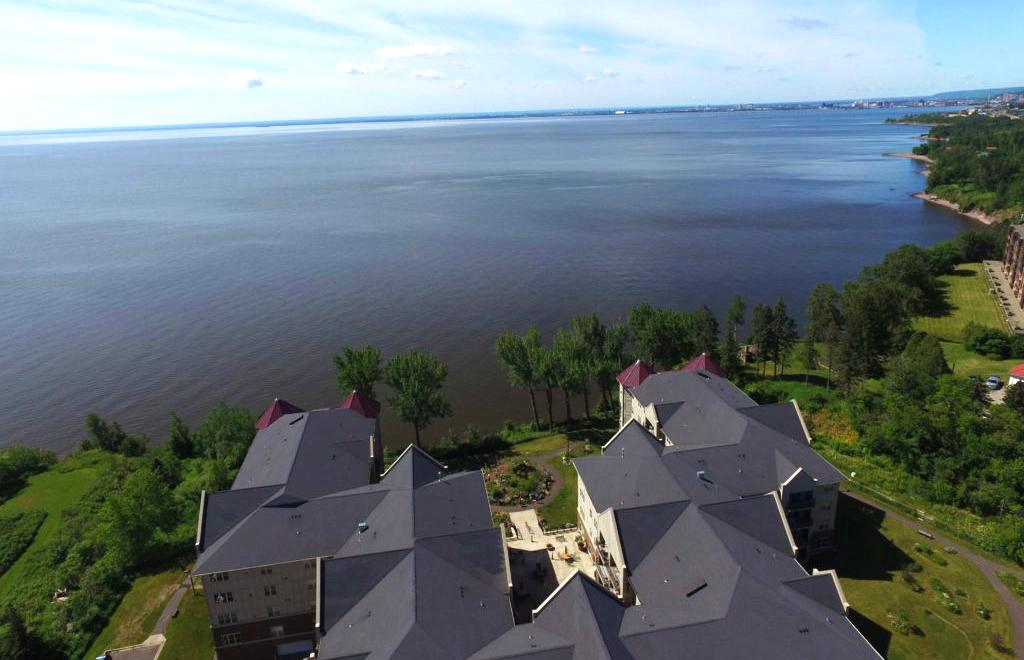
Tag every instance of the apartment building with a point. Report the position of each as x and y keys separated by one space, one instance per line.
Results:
x=701 y=421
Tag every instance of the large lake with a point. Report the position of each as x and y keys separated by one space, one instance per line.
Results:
x=144 y=273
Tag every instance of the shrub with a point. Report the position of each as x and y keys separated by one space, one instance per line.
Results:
x=983 y=612
x=19 y=463
x=986 y=341
x=16 y=533
x=914 y=567
x=911 y=581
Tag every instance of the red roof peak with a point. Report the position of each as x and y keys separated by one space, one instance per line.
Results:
x=274 y=411
x=634 y=374
x=703 y=363
x=1018 y=371
x=362 y=404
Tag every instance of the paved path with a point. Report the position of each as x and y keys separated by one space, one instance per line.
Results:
x=541 y=463
x=987 y=567
x=154 y=644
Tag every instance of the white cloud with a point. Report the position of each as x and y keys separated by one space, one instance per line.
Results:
x=349 y=68
x=458 y=84
x=805 y=23
x=533 y=84
x=584 y=48
x=611 y=73
x=427 y=74
x=414 y=50
x=246 y=78
x=589 y=79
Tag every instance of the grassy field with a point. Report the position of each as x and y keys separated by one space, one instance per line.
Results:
x=52 y=491
x=138 y=611
x=188 y=634
x=561 y=511
x=1014 y=584
x=969 y=299
x=881 y=560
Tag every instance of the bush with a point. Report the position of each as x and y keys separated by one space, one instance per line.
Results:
x=16 y=533
x=914 y=567
x=911 y=581
x=983 y=612
x=990 y=342
x=19 y=463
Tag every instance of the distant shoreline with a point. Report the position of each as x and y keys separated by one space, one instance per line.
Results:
x=977 y=216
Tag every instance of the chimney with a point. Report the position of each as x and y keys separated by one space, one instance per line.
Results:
x=374 y=460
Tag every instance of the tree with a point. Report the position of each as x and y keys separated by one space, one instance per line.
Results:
x=358 y=369
x=543 y=366
x=613 y=359
x=730 y=352
x=824 y=322
x=111 y=437
x=876 y=324
x=136 y=514
x=663 y=337
x=226 y=434
x=179 y=439
x=809 y=355
x=785 y=335
x=514 y=356
x=735 y=313
x=912 y=267
x=762 y=333
x=416 y=379
x=1015 y=398
x=571 y=369
x=707 y=332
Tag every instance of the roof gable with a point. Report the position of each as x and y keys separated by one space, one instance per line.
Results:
x=362 y=404
x=704 y=363
x=634 y=374
x=277 y=409
x=413 y=469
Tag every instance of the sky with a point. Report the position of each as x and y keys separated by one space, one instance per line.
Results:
x=89 y=63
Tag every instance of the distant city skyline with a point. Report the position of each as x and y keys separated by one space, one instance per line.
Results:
x=90 y=63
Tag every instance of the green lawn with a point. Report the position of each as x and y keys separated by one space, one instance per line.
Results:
x=138 y=611
x=52 y=491
x=540 y=446
x=188 y=634
x=1014 y=584
x=561 y=511
x=875 y=555
x=969 y=299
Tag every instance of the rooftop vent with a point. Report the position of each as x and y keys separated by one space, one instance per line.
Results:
x=363 y=526
x=703 y=476
x=702 y=585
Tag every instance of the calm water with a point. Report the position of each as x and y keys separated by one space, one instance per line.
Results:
x=139 y=276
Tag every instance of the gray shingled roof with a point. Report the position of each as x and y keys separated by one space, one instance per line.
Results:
x=719 y=582
x=312 y=453
x=441 y=599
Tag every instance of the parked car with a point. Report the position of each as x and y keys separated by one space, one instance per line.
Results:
x=994 y=382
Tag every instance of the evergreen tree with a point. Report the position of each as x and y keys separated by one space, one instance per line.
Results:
x=707 y=332
x=825 y=322
x=762 y=333
x=785 y=335
x=735 y=313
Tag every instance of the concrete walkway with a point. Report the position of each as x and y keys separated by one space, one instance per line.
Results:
x=154 y=644
x=987 y=567
x=1012 y=313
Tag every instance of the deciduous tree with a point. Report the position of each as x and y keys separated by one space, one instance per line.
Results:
x=416 y=380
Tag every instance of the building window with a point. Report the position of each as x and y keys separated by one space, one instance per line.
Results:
x=219 y=577
x=267 y=570
x=277 y=631
x=225 y=597
x=230 y=638
x=225 y=619
x=309 y=565
x=269 y=590
x=273 y=611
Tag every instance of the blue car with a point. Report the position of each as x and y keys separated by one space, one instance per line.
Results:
x=994 y=383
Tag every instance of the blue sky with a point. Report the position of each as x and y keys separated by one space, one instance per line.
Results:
x=70 y=63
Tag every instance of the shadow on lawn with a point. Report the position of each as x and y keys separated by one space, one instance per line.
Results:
x=863 y=553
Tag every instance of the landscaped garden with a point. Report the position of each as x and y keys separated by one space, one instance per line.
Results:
x=913 y=598
x=516 y=481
